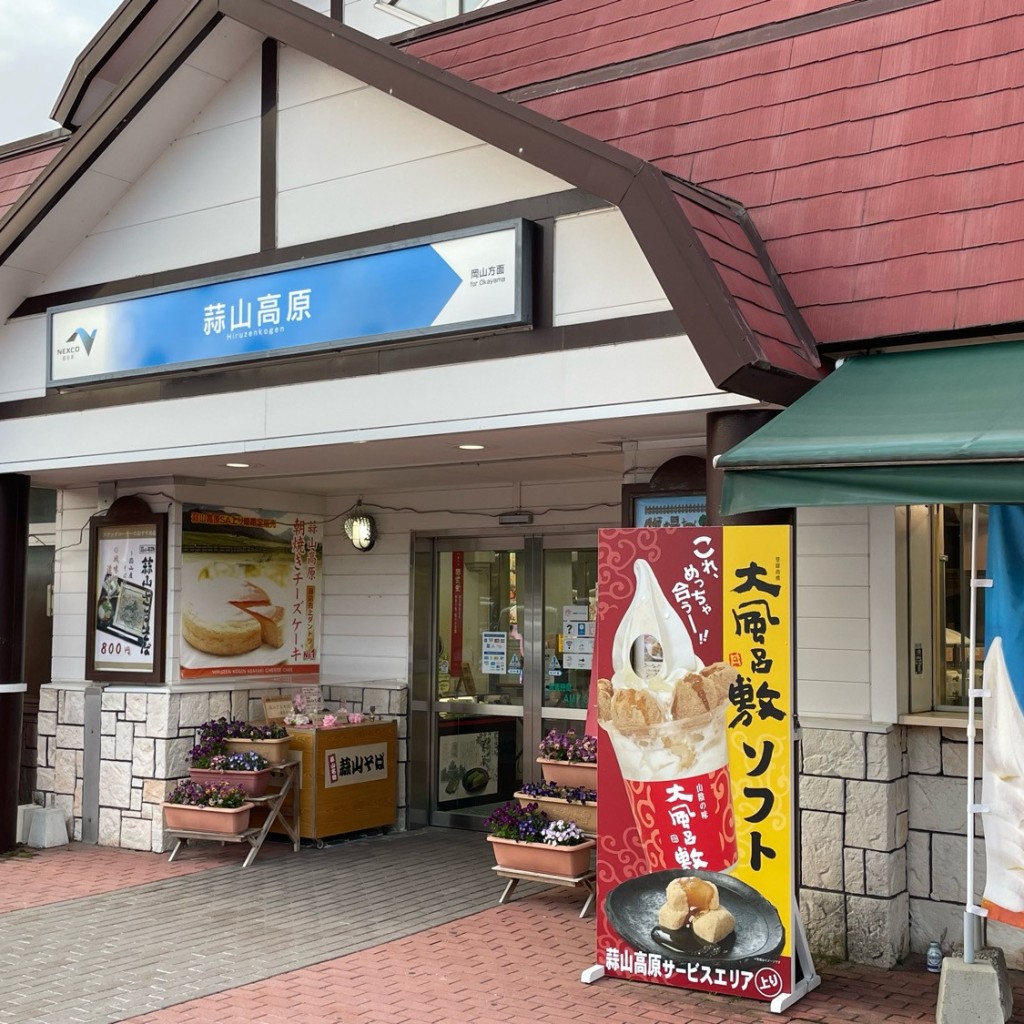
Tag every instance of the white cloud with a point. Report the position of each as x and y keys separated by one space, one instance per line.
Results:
x=39 y=41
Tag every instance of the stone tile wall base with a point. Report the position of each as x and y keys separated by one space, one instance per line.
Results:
x=144 y=748
x=878 y=930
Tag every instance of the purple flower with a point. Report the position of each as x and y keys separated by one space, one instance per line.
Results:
x=567 y=746
x=530 y=824
x=195 y=794
x=203 y=753
x=571 y=794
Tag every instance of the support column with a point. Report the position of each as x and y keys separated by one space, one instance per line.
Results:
x=724 y=431
x=14 y=492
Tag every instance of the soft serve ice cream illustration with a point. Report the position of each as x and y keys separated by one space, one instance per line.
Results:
x=669 y=737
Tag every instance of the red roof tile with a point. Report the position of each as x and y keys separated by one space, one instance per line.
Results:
x=19 y=170
x=882 y=159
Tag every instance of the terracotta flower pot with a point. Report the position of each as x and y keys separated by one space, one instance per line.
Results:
x=585 y=815
x=569 y=773
x=564 y=861
x=275 y=751
x=225 y=820
x=251 y=783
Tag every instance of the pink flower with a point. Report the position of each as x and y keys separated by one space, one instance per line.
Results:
x=330 y=721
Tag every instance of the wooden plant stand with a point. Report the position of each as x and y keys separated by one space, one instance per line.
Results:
x=586 y=881
x=288 y=773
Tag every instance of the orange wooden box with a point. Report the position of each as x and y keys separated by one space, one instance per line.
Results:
x=349 y=778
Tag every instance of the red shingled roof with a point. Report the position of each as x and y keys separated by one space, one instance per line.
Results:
x=19 y=170
x=879 y=158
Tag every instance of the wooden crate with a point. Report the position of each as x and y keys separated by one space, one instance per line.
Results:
x=349 y=778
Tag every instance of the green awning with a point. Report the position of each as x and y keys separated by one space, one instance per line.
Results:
x=907 y=428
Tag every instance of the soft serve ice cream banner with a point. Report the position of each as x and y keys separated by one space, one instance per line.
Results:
x=692 y=697
x=1002 y=788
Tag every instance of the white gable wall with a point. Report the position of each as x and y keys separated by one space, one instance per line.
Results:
x=352 y=159
x=600 y=270
x=199 y=201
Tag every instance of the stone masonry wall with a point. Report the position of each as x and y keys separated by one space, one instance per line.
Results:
x=882 y=845
x=853 y=802
x=937 y=849
x=145 y=737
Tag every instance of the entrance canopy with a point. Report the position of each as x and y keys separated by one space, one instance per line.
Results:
x=922 y=427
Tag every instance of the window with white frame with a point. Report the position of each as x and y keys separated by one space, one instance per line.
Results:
x=426 y=12
x=939 y=540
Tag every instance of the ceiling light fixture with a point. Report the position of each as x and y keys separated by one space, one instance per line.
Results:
x=361 y=529
x=517 y=518
x=237 y=465
x=471 y=447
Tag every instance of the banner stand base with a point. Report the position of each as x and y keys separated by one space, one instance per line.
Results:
x=810 y=979
x=592 y=974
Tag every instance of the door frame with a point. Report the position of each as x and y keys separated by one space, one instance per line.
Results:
x=423 y=704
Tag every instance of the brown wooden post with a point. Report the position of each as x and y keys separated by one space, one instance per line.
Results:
x=14 y=492
x=724 y=431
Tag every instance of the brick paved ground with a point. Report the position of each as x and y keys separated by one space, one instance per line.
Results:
x=34 y=878
x=365 y=956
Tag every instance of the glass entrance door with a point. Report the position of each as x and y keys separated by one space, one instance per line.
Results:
x=500 y=670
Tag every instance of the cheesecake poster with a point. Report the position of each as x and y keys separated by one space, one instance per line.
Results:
x=250 y=592
x=692 y=706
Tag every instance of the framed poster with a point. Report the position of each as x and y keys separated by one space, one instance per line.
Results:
x=476 y=761
x=126 y=610
x=675 y=496
x=250 y=592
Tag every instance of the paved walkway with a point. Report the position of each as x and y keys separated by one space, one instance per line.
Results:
x=379 y=930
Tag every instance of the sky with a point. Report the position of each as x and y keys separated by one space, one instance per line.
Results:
x=39 y=41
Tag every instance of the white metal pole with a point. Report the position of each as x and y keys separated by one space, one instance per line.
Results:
x=969 y=688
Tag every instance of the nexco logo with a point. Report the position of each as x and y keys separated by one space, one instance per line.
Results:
x=80 y=339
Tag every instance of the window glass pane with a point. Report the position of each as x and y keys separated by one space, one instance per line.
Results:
x=570 y=610
x=429 y=10
x=42 y=505
x=438 y=10
x=957 y=661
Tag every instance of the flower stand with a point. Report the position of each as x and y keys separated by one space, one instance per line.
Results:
x=182 y=828
x=251 y=783
x=569 y=773
x=529 y=864
x=584 y=815
x=565 y=861
x=275 y=751
x=217 y=820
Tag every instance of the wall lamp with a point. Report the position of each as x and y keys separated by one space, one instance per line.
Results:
x=361 y=529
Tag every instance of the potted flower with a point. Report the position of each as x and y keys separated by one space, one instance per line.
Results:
x=568 y=759
x=194 y=807
x=526 y=839
x=270 y=739
x=570 y=803
x=209 y=763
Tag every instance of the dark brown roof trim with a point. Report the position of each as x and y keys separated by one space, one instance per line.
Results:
x=669 y=241
x=348 y=362
x=113 y=33
x=268 y=146
x=845 y=14
x=718 y=203
x=33 y=142
x=461 y=20
x=535 y=209
x=784 y=388
x=721 y=337
x=987 y=334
